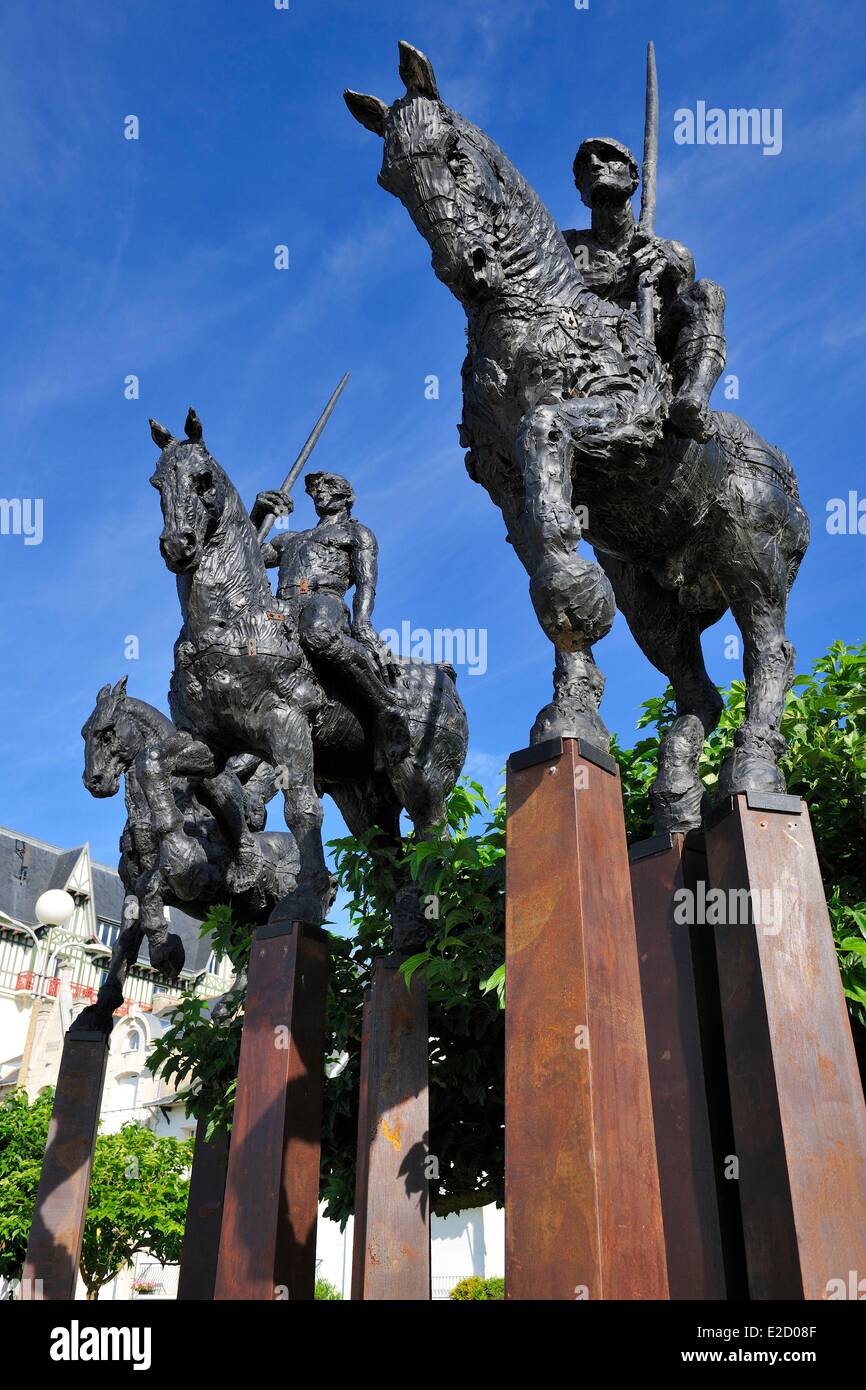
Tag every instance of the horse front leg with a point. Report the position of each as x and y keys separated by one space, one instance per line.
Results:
x=289 y=742
x=99 y=1016
x=571 y=595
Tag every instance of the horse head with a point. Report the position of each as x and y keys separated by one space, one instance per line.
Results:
x=193 y=490
x=111 y=740
x=483 y=222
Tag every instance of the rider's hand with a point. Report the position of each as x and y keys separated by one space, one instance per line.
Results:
x=648 y=260
x=280 y=503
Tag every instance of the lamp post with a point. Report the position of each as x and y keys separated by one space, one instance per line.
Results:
x=54 y=1245
x=54 y=908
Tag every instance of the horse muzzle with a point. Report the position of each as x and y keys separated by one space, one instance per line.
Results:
x=179 y=549
x=101 y=784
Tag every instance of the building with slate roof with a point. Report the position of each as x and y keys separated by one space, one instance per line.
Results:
x=48 y=974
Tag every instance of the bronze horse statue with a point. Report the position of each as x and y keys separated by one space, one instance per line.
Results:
x=564 y=419
x=243 y=683
x=192 y=837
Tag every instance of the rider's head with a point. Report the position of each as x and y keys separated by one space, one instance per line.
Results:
x=604 y=170
x=330 y=492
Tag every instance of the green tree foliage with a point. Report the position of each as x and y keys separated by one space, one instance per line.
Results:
x=23 y=1134
x=824 y=725
x=476 y=1288
x=138 y=1197
x=138 y=1192
x=326 y=1292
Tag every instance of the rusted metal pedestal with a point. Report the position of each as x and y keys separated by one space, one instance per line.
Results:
x=688 y=1079
x=204 y=1212
x=391 y=1250
x=268 y=1238
x=54 y=1247
x=582 y=1208
x=799 y=1115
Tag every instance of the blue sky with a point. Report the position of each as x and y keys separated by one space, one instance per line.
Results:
x=156 y=257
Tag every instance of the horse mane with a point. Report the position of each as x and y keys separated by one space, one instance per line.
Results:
x=148 y=717
x=532 y=225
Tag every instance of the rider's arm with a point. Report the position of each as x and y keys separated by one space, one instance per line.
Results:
x=364 y=570
x=271 y=503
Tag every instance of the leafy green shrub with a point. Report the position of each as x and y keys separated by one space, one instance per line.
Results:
x=474 y=1287
x=327 y=1292
x=824 y=724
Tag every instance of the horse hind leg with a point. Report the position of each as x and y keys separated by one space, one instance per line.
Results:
x=768 y=667
x=670 y=637
x=763 y=534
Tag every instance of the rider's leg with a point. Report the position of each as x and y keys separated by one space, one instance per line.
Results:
x=697 y=332
x=224 y=797
x=165 y=947
x=324 y=634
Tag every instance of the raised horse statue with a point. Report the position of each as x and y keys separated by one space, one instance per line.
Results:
x=565 y=404
x=192 y=836
x=244 y=684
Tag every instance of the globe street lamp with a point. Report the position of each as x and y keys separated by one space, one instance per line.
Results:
x=54 y=907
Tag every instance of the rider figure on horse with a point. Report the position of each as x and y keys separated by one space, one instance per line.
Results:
x=614 y=254
x=316 y=570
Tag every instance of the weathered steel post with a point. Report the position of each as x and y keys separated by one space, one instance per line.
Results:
x=54 y=1246
x=391 y=1252
x=268 y=1237
x=797 y=1103
x=582 y=1208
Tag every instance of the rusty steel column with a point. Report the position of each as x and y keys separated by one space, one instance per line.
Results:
x=204 y=1212
x=391 y=1249
x=698 y=1205
x=268 y=1238
x=54 y=1246
x=798 y=1109
x=582 y=1207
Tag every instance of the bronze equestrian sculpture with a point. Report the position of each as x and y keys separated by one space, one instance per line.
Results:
x=244 y=681
x=186 y=831
x=565 y=405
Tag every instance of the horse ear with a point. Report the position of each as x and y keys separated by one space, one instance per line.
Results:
x=160 y=435
x=119 y=690
x=106 y=690
x=192 y=426
x=370 y=111
x=417 y=73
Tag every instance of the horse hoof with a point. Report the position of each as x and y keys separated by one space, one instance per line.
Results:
x=96 y=1018
x=167 y=956
x=573 y=601
x=743 y=771
x=308 y=903
x=677 y=808
x=245 y=870
x=557 y=721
